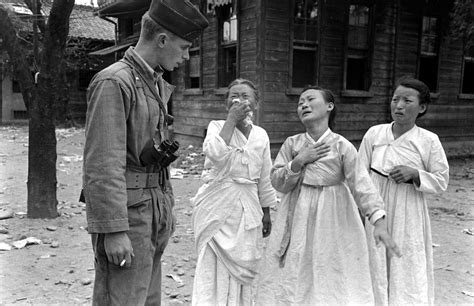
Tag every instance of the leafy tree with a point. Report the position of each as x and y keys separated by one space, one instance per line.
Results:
x=43 y=100
x=462 y=22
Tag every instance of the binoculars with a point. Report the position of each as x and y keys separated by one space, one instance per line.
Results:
x=163 y=155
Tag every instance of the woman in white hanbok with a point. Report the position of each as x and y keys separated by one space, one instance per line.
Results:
x=405 y=163
x=317 y=253
x=231 y=210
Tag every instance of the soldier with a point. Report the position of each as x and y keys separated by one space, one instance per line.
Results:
x=127 y=150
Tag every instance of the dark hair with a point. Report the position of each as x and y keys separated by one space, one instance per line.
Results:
x=246 y=82
x=422 y=88
x=328 y=97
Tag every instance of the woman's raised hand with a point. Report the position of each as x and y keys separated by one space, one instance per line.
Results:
x=238 y=111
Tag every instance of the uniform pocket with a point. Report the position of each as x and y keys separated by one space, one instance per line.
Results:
x=136 y=196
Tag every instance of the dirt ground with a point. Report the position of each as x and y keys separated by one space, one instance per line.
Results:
x=60 y=270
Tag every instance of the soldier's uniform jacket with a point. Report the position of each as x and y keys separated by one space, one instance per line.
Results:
x=123 y=117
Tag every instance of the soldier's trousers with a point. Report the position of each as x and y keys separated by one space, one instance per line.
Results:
x=151 y=224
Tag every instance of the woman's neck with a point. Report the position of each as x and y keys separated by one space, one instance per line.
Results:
x=244 y=129
x=316 y=131
x=400 y=129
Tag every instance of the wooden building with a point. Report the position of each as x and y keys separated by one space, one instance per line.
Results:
x=356 y=48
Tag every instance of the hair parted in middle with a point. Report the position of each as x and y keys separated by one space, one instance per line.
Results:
x=247 y=82
x=423 y=90
x=329 y=98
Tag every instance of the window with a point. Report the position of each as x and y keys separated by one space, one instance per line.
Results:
x=129 y=27
x=357 y=65
x=228 y=40
x=305 y=43
x=20 y=115
x=468 y=72
x=193 y=66
x=16 y=86
x=428 y=61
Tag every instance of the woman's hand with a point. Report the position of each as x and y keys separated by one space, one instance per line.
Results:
x=267 y=222
x=308 y=155
x=402 y=174
x=238 y=111
x=381 y=235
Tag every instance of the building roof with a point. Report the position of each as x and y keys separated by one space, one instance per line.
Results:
x=120 y=7
x=83 y=23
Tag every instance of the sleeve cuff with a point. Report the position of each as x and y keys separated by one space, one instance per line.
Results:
x=376 y=215
x=105 y=227
x=289 y=171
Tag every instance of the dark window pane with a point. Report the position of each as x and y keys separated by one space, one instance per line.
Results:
x=303 y=67
x=305 y=20
x=228 y=24
x=193 y=69
x=359 y=15
x=468 y=77
x=358 y=31
x=228 y=68
x=356 y=74
x=16 y=86
x=429 y=37
x=19 y=115
x=429 y=72
x=194 y=83
x=299 y=30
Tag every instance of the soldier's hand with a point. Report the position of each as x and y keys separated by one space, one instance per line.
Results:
x=118 y=249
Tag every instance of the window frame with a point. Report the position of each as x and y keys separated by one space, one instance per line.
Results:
x=187 y=77
x=221 y=45
x=362 y=93
x=427 y=13
x=305 y=45
x=465 y=57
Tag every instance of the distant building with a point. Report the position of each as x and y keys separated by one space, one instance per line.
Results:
x=87 y=33
x=356 y=48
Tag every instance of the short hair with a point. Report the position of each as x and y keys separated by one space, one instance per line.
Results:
x=423 y=90
x=328 y=97
x=151 y=28
x=247 y=82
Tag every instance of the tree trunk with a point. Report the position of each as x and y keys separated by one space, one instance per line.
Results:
x=42 y=200
x=42 y=101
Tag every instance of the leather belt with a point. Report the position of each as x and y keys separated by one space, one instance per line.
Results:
x=137 y=180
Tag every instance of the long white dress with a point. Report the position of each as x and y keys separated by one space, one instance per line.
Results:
x=227 y=217
x=409 y=279
x=326 y=261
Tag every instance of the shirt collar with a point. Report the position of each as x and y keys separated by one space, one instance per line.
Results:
x=325 y=134
x=156 y=73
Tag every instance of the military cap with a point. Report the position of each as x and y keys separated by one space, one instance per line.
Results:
x=178 y=16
